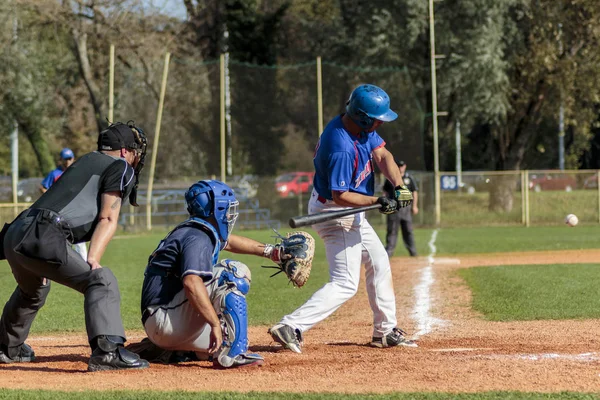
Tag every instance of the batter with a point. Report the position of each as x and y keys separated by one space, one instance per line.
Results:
x=344 y=178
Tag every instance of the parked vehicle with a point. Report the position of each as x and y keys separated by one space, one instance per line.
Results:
x=28 y=190
x=552 y=182
x=591 y=182
x=294 y=183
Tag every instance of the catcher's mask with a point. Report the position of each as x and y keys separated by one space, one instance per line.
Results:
x=129 y=136
x=368 y=103
x=212 y=198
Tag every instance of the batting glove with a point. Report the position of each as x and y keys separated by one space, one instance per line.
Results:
x=388 y=206
x=403 y=196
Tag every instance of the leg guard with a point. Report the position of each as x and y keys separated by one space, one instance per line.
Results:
x=229 y=300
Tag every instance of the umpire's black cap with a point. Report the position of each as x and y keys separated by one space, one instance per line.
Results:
x=400 y=163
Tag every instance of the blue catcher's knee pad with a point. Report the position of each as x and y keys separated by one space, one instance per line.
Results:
x=235 y=273
x=233 y=285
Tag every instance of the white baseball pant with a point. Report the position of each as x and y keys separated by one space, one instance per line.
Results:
x=349 y=242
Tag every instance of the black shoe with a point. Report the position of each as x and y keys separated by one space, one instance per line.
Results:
x=112 y=356
x=20 y=354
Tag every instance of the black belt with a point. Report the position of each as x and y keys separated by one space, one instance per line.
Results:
x=51 y=216
x=145 y=315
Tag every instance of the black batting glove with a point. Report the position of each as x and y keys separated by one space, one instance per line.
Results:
x=388 y=206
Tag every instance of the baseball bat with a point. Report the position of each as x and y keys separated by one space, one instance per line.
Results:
x=311 y=219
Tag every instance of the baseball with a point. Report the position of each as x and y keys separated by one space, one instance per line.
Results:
x=571 y=220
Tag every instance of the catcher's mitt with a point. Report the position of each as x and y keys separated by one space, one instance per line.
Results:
x=293 y=256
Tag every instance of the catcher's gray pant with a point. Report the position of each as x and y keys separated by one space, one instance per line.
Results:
x=177 y=326
x=349 y=242
x=99 y=287
x=396 y=221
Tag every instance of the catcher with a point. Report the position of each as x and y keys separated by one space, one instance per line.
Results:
x=194 y=307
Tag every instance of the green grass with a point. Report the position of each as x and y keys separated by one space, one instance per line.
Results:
x=271 y=298
x=502 y=239
x=535 y=292
x=547 y=207
x=158 y=395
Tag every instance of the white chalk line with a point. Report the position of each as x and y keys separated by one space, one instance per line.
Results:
x=422 y=310
x=582 y=357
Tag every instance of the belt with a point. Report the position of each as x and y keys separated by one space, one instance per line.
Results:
x=321 y=199
x=145 y=315
x=52 y=216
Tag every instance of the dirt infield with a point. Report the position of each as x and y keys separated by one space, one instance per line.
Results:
x=459 y=351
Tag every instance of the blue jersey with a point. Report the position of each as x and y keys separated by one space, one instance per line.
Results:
x=344 y=162
x=52 y=177
x=186 y=250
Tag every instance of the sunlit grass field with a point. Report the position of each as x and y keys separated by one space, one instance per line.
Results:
x=500 y=293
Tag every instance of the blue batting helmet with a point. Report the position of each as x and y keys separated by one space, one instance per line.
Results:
x=66 y=153
x=368 y=103
x=212 y=198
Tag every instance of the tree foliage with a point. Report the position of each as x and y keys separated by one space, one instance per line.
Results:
x=509 y=66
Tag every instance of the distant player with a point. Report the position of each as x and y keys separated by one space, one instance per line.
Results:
x=67 y=158
x=402 y=220
x=344 y=178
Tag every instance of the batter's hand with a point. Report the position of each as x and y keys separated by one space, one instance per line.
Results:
x=403 y=196
x=388 y=206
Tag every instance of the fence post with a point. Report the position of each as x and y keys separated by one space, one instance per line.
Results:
x=222 y=114
x=111 y=84
x=598 y=184
x=319 y=95
x=527 y=224
x=161 y=102
x=523 y=184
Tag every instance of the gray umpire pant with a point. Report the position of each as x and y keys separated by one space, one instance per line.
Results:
x=396 y=221
x=99 y=287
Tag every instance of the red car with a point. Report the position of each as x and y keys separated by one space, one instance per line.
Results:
x=552 y=182
x=294 y=183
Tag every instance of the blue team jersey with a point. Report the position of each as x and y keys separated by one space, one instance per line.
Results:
x=343 y=162
x=187 y=250
x=52 y=177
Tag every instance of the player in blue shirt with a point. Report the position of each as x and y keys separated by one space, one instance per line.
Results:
x=344 y=159
x=66 y=159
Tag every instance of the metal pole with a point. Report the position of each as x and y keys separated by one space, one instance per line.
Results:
x=14 y=162
x=111 y=85
x=436 y=160
x=161 y=102
x=14 y=138
x=561 y=136
x=523 y=184
x=319 y=95
x=228 y=117
x=222 y=116
x=561 y=114
x=458 y=155
x=527 y=198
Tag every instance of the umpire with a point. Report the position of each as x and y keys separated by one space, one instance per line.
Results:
x=83 y=205
x=402 y=218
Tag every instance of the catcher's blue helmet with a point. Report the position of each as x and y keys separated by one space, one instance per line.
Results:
x=212 y=198
x=368 y=103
